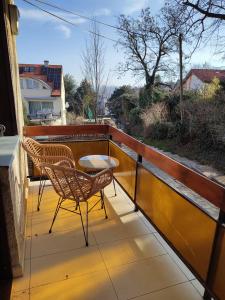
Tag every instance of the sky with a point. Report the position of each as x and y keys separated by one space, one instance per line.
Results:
x=43 y=37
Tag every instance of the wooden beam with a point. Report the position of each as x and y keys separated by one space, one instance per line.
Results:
x=65 y=130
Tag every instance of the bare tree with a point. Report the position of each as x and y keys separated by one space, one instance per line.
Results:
x=149 y=41
x=93 y=65
x=207 y=8
x=207 y=20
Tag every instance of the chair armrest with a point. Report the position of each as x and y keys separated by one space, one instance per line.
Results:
x=58 y=160
x=102 y=179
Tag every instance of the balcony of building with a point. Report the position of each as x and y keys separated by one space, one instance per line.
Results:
x=164 y=238
x=126 y=258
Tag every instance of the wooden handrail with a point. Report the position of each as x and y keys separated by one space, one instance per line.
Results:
x=202 y=185
x=65 y=130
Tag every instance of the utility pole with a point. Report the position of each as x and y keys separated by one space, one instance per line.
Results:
x=181 y=74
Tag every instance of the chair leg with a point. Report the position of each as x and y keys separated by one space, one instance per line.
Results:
x=40 y=192
x=102 y=197
x=114 y=186
x=82 y=223
x=103 y=203
x=56 y=212
x=86 y=223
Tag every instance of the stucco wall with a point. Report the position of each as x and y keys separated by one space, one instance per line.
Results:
x=14 y=69
x=42 y=95
x=193 y=83
x=39 y=92
x=15 y=185
x=63 y=101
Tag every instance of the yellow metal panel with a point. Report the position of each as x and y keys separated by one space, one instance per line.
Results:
x=83 y=148
x=185 y=226
x=219 y=279
x=125 y=172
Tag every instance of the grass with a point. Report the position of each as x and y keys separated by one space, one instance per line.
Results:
x=193 y=151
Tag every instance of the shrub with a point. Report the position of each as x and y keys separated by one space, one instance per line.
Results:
x=73 y=119
x=157 y=113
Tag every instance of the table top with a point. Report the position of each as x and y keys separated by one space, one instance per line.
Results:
x=98 y=162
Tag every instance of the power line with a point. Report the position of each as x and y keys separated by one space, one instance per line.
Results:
x=79 y=15
x=85 y=17
x=69 y=22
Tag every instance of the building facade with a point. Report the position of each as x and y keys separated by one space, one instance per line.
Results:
x=197 y=79
x=43 y=93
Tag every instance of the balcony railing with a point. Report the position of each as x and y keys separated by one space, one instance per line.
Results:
x=196 y=236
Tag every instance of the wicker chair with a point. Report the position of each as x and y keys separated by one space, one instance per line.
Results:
x=50 y=153
x=71 y=184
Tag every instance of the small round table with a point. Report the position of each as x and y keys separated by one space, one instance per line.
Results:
x=96 y=163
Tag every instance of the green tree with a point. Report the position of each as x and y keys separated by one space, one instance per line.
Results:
x=210 y=90
x=85 y=98
x=121 y=102
x=70 y=89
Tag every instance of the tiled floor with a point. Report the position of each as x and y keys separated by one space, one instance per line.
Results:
x=126 y=258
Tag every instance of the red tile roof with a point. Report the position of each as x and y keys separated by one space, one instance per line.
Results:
x=207 y=75
x=38 y=74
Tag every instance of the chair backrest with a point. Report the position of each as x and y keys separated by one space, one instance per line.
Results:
x=46 y=152
x=34 y=150
x=68 y=182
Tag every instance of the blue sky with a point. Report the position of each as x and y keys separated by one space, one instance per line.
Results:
x=43 y=37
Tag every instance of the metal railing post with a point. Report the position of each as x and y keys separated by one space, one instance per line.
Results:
x=214 y=255
x=139 y=161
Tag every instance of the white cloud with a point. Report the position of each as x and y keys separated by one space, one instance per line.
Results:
x=133 y=6
x=40 y=16
x=102 y=12
x=65 y=30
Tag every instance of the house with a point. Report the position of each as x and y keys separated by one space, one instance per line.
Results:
x=197 y=78
x=42 y=89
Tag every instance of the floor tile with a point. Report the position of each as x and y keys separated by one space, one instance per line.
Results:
x=147 y=223
x=28 y=227
x=64 y=221
x=130 y=250
x=198 y=286
x=27 y=247
x=54 y=267
x=23 y=295
x=95 y=286
x=121 y=207
x=134 y=256
x=120 y=228
x=175 y=258
x=22 y=283
x=145 y=276
x=57 y=242
x=184 y=291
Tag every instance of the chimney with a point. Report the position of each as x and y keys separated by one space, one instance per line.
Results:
x=46 y=63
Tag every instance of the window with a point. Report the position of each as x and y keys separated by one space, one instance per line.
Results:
x=28 y=69
x=38 y=108
x=32 y=84
x=21 y=84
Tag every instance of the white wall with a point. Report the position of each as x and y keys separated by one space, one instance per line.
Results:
x=42 y=93
x=56 y=103
x=193 y=83
x=63 y=102
x=42 y=90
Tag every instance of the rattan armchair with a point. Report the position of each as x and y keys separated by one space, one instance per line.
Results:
x=49 y=153
x=73 y=185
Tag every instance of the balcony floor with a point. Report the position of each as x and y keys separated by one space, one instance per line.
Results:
x=126 y=259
